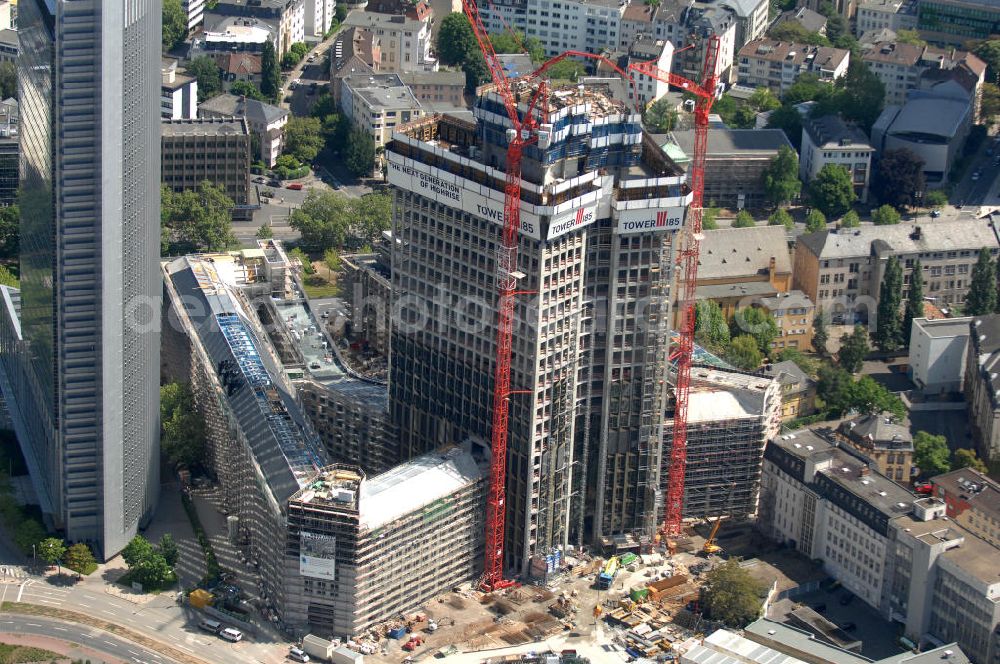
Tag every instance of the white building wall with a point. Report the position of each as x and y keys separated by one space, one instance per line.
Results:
x=195 y=11
x=937 y=362
x=318 y=17
x=856 y=158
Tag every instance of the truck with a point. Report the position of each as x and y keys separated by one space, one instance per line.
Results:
x=608 y=573
x=321 y=650
x=295 y=186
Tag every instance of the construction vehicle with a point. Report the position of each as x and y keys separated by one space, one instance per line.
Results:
x=705 y=92
x=608 y=573
x=413 y=644
x=710 y=548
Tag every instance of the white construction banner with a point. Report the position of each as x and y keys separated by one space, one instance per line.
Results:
x=317 y=555
x=650 y=219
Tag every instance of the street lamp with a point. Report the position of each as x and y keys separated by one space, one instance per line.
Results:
x=33 y=564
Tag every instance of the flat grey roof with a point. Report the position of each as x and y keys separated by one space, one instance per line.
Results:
x=737 y=142
x=735 y=252
x=204 y=127
x=944 y=327
x=802 y=641
x=935 y=236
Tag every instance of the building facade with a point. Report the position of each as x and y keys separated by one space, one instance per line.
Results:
x=178 y=93
x=776 y=65
x=973 y=500
x=264 y=120
x=212 y=149
x=798 y=390
x=283 y=20
x=82 y=385
x=841 y=270
x=829 y=140
x=195 y=12
x=876 y=15
x=794 y=313
x=405 y=41
x=318 y=18
x=604 y=234
x=982 y=388
x=937 y=353
x=884 y=441
x=378 y=104
x=958 y=21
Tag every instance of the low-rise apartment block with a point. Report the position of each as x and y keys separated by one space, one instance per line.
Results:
x=901 y=66
x=798 y=390
x=405 y=41
x=213 y=149
x=841 y=270
x=830 y=140
x=283 y=20
x=794 y=313
x=318 y=17
x=178 y=93
x=973 y=500
x=437 y=89
x=937 y=354
x=378 y=103
x=884 y=442
x=776 y=65
x=876 y=15
x=264 y=120
x=982 y=386
x=735 y=163
x=809 y=20
x=354 y=51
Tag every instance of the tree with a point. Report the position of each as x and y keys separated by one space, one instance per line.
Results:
x=246 y=89
x=930 y=454
x=792 y=31
x=206 y=71
x=870 y=398
x=989 y=52
x=780 y=217
x=264 y=232
x=757 y=323
x=744 y=220
x=710 y=327
x=168 y=549
x=660 y=117
x=8 y=80
x=332 y=260
x=182 y=429
x=763 y=100
x=781 y=178
x=789 y=120
x=909 y=37
x=900 y=177
x=79 y=558
x=476 y=71
x=860 y=95
x=708 y=219
x=10 y=231
x=51 y=550
x=820 y=335
x=323 y=220
x=888 y=330
x=885 y=215
x=153 y=571
x=815 y=221
x=982 y=296
x=914 y=301
x=832 y=190
x=850 y=220
x=989 y=106
x=455 y=39
x=136 y=550
x=963 y=458
x=741 y=116
x=743 y=353
x=359 y=155
x=731 y=595
x=289 y=60
x=370 y=215
x=853 y=349
x=304 y=138
x=505 y=42
x=300 y=256
x=566 y=70
x=197 y=220
x=935 y=198
x=270 y=81
x=28 y=533
x=174 y=28
x=807 y=87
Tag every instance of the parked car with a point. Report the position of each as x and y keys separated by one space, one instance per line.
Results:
x=297 y=655
x=231 y=634
x=935 y=213
x=209 y=625
x=976 y=175
x=295 y=186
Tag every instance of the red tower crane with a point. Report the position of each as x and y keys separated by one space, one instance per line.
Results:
x=688 y=262
x=523 y=132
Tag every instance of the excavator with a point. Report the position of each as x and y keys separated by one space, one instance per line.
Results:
x=710 y=548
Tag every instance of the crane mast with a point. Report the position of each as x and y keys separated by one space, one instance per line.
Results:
x=688 y=262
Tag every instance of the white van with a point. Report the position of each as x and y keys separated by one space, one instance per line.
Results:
x=212 y=626
x=230 y=634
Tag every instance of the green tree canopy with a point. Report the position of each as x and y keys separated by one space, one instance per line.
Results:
x=744 y=220
x=371 y=214
x=197 y=220
x=168 y=549
x=989 y=52
x=710 y=328
x=989 y=106
x=789 y=120
x=780 y=217
x=566 y=70
x=935 y=198
x=270 y=82
x=757 y=323
x=359 y=155
x=850 y=220
x=781 y=178
x=888 y=328
x=153 y=572
x=304 y=138
x=8 y=79
x=807 y=87
x=660 y=117
x=861 y=94
x=709 y=217
x=51 y=550
x=79 y=558
x=505 y=42
x=731 y=595
x=136 y=550
x=28 y=533
x=323 y=220
x=914 y=300
x=832 y=190
x=899 y=178
x=868 y=397
x=963 y=458
x=455 y=39
x=820 y=334
x=931 y=454
x=853 y=349
x=10 y=231
x=209 y=78
x=815 y=221
x=174 y=26
x=909 y=37
x=246 y=89
x=744 y=353
x=793 y=31
x=841 y=393
x=182 y=429
x=885 y=215
x=982 y=296
x=763 y=100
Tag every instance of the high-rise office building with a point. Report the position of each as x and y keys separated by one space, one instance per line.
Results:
x=81 y=351
x=600 y=207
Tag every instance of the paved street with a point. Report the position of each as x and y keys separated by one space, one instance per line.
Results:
x=77 y=640
x=984 y=190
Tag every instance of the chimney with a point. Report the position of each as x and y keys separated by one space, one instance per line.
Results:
x=916 y=233
x=863 y=471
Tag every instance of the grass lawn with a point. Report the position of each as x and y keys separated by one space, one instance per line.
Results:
x=316 y=286
x=89 y=569
x=10 y=654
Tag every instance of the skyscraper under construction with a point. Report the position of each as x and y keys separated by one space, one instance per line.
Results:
x=601 y=207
